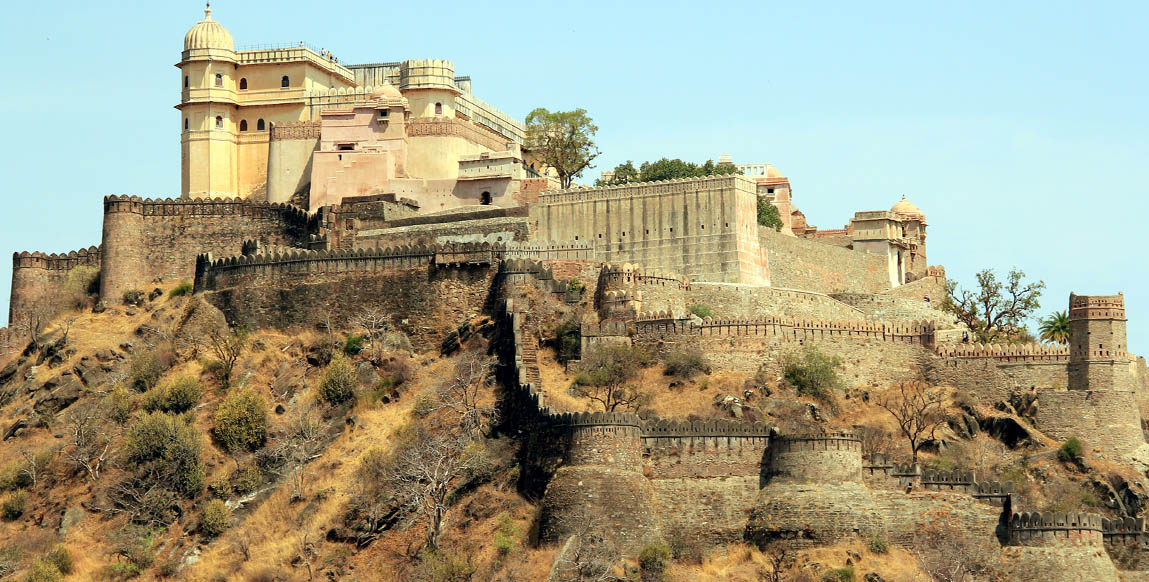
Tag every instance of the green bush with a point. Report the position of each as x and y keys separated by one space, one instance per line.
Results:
x=134 y=543
x=654 y=561
x=353 y=345
x=184 y=288
x=701 y=310
x=686 y=362
x=423 y=406
x=119 y=405
x=43 y=571
x=134 y=297
x=216 y=518
x=147 y=367
x=505 y=535
x=14 y=506
x=179 y=396
x=1070 y=450
x=878 y=546
x=813 y=373
x=61 y=558
x=169 y=449
x=839 y=575
x=241 y=421
x=568 y=339
x=337 y=385
x=246 y=480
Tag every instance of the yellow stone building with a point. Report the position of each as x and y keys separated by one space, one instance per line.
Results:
x=251 y=122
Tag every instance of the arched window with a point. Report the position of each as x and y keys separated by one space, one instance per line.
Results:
x=285 y=82
x=243 y=84
x=185 y=81
x=185 y=124
x=218 y=122
x=259 y=125
x=438 y=109
x=243 y=125
x=218 y=80
x=485 y=198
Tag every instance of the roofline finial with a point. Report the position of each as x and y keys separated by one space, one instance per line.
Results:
x=207 y=11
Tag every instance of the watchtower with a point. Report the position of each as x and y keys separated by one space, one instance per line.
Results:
x=1097 y=347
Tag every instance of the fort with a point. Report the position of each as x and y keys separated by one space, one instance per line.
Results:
x=312 y=188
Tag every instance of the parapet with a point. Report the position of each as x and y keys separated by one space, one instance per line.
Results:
x=663 y=323
x=1123 y=526
x=291 y=130
x=641 y=189
x=1096 y=306
x=813 y=458
x=203 y=207
x=1048 y=529
x=627 y=275
x=427 y=74
x=56 y=262
x=1031 y=352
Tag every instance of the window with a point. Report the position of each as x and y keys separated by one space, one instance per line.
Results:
x=218 y=80
x=485 y=198
x=383 y=114
x=259 y=125
x=243 y=125
x=185 y=124
x=218 y=122
x=438 y=109
x=185 y=81
x=769 y=190
x=345 y=147
x=243 y=84
x=285 y=82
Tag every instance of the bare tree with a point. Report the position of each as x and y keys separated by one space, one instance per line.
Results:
x=35 y=463
x=587 y=555
x=949 y=554
x=423 y=470
x=777 y=556
x=376 y=323
x=464 y=389
x=918 y=411
x=874 y=440
x=91 y=441
x=298 y=447
x=228 y=347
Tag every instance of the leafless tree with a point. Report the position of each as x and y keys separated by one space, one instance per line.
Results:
x=35 y=463
x=298 y=447
x=874 y=439
x=423 y=470
x=587 y=555
x=91 y=441
x=948 y=554
x=376 y=323
x=917 y=409
x=228 y=347
x=464 y=390
x=777 y=556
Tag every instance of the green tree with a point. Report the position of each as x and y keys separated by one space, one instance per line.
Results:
x=768 y=214
x=995 y=310
x=813 y=373
x=1055 y=328
x=606 y=374
x=563 y=140
x=624 y=173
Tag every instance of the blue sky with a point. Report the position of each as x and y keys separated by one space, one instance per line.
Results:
x=1018 y=128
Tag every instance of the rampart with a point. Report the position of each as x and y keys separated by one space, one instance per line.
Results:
x=799 y=263
x=147 y=240
x=893 y=308
x=1048 y=529
x=732 y=301
x=625 y=290
x=704 y=228
x=816 y=458
x=704 y=449
x=41 y=285
x=1106 y=420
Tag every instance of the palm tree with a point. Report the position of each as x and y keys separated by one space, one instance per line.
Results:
x=1055 y=328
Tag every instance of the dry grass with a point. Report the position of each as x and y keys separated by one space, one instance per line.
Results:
x=742 y=563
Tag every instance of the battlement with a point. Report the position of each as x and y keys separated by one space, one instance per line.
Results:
x=427 y=74
x=1047 y=529
x=629 y=275
x=57 y=262
x=642 y=189
x=1123 y=526
x=595 y=419
x=662 y=428
x=1006 y=353
x=834 y=457
x=936 y=271
x=295 y=130
x=1096 y=306
x=202 y=207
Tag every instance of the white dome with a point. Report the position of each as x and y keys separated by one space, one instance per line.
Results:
x=208 y=34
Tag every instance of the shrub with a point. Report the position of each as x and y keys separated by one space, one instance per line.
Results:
x=423 y=406
x=438 y=565
x=14 y=506
x=337 y=385
x=119 y=405
x=43 y=571
x=813 y=373
x=10 y=559
x=653 y=561
x=169 y=448
x=179 y=396
x=505 y=535
x=686 y=545
x=61 y=558
x=147 y=367
x=353 y=345
x=241 y=421
x=1070 y=450
x=134 y=297
x=216 y=518
x=184 y=288
x=686 y=363
x=398 y=370
x=134 y=543
x=839 y=575
x=878 y=546
x=606 y=373
x=701 y=310
x=246 y=480
x=568 y=339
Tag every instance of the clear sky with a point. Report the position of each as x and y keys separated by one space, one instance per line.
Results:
x=1019 y=128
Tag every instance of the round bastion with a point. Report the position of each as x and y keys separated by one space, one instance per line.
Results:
x=814 y=495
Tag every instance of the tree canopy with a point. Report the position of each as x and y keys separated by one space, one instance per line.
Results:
x=995 y=310
x=563 y=140
x=768 y=214
x=665 y=169
x=1055 y=328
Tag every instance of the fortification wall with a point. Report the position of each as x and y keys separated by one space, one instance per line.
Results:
x=907 y=514
x=289 y=157
x=933 y=284
x=1055 y=529
x=40 y=283
x=732 y=301
x=713 y=509
x=488 y=230
x=704 y=228
x=894 y=308
x=992 y=372
x=11 y=341
x=704 y=449
x=799 y=263
x=629 y=289
x=145 y=240
x=1059 y=564
x=1105 y=420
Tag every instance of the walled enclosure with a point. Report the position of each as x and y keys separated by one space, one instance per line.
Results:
x=706 y=229
x=40 y=283
x=147 y=240
x=799 y=263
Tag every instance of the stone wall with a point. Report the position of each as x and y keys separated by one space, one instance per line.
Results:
x=40 y=283
x=733 y=301
x=146 y=240
x=1105 y=420
x=799 y=263
x=490 y=230
x=894 y=308
x=704 y=228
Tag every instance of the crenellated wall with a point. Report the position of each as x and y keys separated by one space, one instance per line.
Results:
x=40 y=283
x=146 y=240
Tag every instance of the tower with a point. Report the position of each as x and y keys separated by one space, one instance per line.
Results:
x=1097 y=349
x=208 y=110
